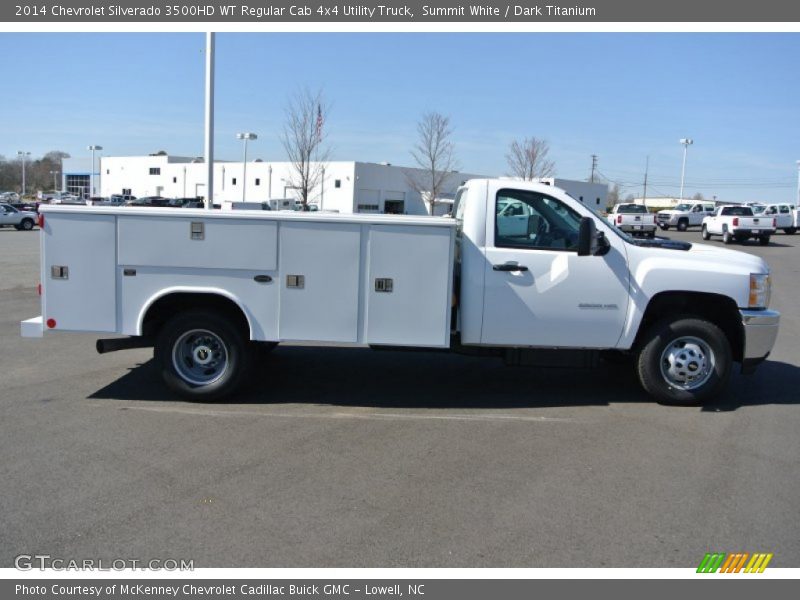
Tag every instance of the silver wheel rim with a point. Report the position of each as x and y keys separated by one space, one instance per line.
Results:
x=687 y=363
x=200 y=357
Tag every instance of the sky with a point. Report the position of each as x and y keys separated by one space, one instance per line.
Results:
x=623 y=97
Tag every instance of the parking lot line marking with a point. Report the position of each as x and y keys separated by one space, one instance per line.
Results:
x=344 y=415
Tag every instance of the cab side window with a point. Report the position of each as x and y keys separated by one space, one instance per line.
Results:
x=526 y=219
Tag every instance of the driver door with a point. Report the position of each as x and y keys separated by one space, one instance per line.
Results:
x=537 y=290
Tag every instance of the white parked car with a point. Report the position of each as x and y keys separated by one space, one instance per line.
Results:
x=684 y=215
x=738 y=223
x=522 y=272
x=633 y=218
x=22 y=220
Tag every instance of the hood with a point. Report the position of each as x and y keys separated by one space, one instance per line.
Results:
x=754 y=264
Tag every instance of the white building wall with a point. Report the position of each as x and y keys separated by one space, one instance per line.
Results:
x=345 y=185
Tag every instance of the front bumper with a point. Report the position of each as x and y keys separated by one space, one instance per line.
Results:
x=760 y=329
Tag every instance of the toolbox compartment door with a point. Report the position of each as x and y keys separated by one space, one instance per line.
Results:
x=79 y=272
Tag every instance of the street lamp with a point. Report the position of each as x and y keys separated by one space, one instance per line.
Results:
x=23 y=155
x=797 y=199
x=55 y=185
x=245 y=137
x=686 y=143
x=91 y=176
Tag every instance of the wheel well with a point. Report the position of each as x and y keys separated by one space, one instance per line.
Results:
x=718 y=309
x=171 y=304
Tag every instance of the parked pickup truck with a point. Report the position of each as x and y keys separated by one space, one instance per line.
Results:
x=633 y=219
x=738 y=223
x=22 y=220
x=684 y=215
x=209 y=288
x=787 y=217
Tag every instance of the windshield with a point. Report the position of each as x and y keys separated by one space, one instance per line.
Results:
x=632 y=209
x=737 y=211
x=602 y=219
x=683 y=207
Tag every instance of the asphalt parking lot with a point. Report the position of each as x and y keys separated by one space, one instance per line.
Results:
x=342 y=457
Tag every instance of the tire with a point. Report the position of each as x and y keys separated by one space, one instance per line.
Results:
x=189 y=339
x=26 y=224
x=683 y=225
x=764 y=240
x=705 y=234
x=651 y=234
x=727 y=238
x=790 y=231
x=664 y=227
x=671 y=347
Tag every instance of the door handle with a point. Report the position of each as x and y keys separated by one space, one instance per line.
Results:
x=508 y=267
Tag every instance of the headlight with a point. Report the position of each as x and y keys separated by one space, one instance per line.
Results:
x=760 y=290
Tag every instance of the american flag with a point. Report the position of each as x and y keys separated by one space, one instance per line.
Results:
x=320 y=120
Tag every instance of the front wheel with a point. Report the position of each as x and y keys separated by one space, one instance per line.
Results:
x=790 y=230
x=705 y=234
x=202 y=356
x=683 y=225
x=664 y=227
x=684 y=360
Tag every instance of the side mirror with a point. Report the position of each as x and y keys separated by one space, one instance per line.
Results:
x=590 y=241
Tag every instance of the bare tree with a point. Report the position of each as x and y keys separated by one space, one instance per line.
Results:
x=434 y=155
x=528 y=160
x=303 y=139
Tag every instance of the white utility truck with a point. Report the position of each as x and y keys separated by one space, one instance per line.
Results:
x=633 y=218
x=208 y=289
x=738 y=223
x=684 y=215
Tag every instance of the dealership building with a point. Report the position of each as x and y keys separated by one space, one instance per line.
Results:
x=345 y=186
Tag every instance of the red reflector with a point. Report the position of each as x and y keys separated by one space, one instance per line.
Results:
x=40 y=221
x=51 y=323
x=735 y=221
x=39 y=289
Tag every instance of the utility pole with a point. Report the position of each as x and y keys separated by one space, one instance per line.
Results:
x=646 y=169
x=594 y=167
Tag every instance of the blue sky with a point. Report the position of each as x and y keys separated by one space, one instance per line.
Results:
x=620 y=96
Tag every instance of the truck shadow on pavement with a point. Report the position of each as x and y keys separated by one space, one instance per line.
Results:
x=367 y=378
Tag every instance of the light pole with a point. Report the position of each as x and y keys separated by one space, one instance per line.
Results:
x=91 y=176
x=22 y=154
x=797 y=199
x=245 y=137
x=686 y=143
x=55 y=185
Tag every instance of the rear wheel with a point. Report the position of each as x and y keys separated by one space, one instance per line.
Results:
x=202 y=356
x=764 y=240
x=705 y=234
x=684 y=360
x=727 y=238
x=26 y=225
x=683 y=225
x=790 y=230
